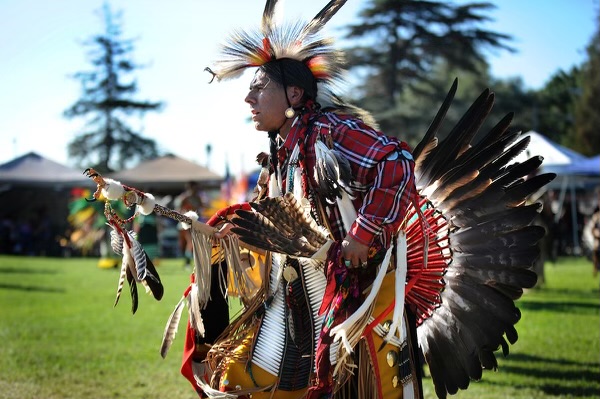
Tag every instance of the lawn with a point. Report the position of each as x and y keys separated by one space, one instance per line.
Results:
x=61 y=338
x=558 y=351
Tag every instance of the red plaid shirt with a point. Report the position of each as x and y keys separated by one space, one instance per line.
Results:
x=382 y=168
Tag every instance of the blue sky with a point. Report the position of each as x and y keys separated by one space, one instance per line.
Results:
x=40 y=47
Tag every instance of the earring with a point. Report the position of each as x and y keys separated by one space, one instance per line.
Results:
x=290 y=113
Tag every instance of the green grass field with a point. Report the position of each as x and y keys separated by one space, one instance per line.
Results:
x=60 y=337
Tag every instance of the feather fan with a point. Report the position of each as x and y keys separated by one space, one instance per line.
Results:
x=280 y=225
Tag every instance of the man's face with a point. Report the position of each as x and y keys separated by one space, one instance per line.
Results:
x=267 y=103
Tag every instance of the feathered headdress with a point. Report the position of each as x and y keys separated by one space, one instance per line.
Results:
x=299 y=41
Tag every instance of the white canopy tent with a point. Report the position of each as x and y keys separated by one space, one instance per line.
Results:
x=574 y=172
x=555 y=155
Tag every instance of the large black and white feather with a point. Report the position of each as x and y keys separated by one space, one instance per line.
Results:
x=172 y=327
x=136 y=267
x=332 y=173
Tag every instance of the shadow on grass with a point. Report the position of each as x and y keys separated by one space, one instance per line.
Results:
x=577 y=292
x=558 y=390
x=574 y=392
x=32 y=288
x=22 y=270
x=560 y=306
x=545 y=370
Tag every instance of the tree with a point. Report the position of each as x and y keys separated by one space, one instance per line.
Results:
x=403 y=40
x=555 y=106
x=106 y=101
x=511 y=96
x=587 y=118
x=419 y=103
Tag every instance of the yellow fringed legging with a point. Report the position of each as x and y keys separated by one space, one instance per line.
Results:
x=378 y=373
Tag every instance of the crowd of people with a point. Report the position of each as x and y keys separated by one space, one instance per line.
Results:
x=32 y=236
x=78 y=229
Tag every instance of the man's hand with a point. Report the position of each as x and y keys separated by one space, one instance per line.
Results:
x=354 y=253
x=224 y=230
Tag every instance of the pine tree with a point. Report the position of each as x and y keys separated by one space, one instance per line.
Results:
x=419 y=103
x=403 y=40
x=108 y=141
x=587 y=117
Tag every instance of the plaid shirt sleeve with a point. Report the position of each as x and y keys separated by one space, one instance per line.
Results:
x=383 y=172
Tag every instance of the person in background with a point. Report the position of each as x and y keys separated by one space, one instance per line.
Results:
x=7 y=234
x=596 y=234
x=146 y=227
x=188 y=201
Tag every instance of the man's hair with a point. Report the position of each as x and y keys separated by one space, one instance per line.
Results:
x=289 y=72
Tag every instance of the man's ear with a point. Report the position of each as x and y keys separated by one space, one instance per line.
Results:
x=295 y=95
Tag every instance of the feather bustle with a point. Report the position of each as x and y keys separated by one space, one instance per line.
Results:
x=429 y=141
x=491 y=243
